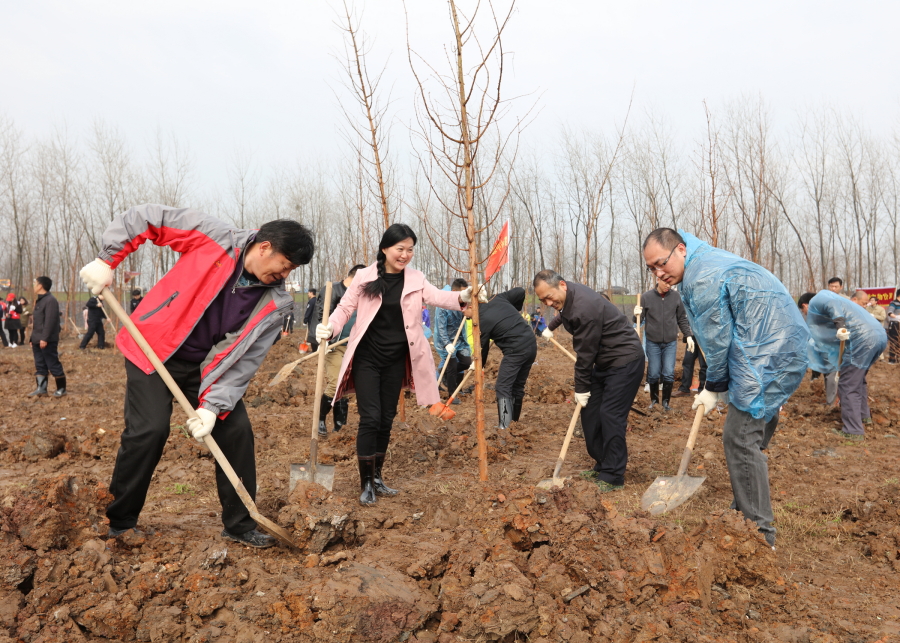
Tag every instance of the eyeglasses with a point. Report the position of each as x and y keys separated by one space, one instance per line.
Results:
x=658 y=267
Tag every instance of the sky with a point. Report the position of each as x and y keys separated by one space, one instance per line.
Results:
x=265 y=77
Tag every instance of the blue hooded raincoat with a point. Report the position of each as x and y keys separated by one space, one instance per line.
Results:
x=867 y=337
x=749 y=327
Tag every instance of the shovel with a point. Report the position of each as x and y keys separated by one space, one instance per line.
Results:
x=443 y=411
x=222 y=461
x=447 y=360
x=837 y=376
x=287 y=369
x=638 y=327
x=666 y=493
x=556 y=481
x=312 y=471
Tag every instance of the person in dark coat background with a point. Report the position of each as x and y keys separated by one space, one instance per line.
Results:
x=95 y=318
x=500 y=320
x=308 y=319
x=45 y=339
x=136 y=298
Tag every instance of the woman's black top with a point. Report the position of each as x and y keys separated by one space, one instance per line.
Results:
x=385 y=339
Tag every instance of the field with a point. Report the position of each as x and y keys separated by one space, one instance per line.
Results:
x=450 y=558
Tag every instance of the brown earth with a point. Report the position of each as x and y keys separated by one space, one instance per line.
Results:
x=450 y=558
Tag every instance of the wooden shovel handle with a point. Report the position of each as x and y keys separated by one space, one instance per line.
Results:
x=320 y=387
x=563 y=349
x=461 y=384
x=455 y=339
x=692 y=439
x=565 y=446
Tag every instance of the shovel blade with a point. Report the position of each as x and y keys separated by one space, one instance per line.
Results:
x=551 y=483
x=442 y=411
x=668 y=492
x=303 y=473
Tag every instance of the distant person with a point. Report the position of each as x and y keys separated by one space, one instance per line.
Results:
x=308 y=318
x=25 y=319
x=13 y=323
x=45 y=339
x=96 y=316
x=836 y=285
x=830 y=377
x=878 y=312
x=3 y=324
x=136 y=298
x=287 y=326
x=446 y=324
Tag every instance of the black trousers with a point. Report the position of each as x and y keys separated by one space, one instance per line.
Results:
x=605 y=418
x=893 y=342
x=378 y=383
x=94 y=327
x=148 y=411
x=46 y=360
x=513 y=372
x=3 y=335
x=456 y=369
x=21 y=340
x=687 y=373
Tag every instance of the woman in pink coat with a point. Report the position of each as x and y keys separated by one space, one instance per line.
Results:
x=387 y=350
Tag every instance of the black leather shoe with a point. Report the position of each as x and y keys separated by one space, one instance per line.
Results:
x=680 y=393
x=252 y=538
x=60 y=386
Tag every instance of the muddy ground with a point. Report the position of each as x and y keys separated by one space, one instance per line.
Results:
x=450 y=558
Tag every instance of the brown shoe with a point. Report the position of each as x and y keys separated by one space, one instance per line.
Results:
x=680 y=393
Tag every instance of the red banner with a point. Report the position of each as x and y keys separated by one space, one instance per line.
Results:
x=885 y=294
x=499 y=254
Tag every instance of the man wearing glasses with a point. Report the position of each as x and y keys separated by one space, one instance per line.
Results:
x=609 y=367
x=754 y=339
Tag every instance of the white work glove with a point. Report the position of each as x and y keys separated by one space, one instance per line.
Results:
x=547 y=333
x=708 y=399
x=324 y=332
x=638 y=310
x=465 y=296
x=203 y=425
x=97 y=275
x=843 y=334
x=690 y=344
x=471 y=366
x=581 y=399
x=450 y=348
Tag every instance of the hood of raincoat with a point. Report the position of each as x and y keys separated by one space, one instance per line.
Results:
x=867 y=337
x=748 y=326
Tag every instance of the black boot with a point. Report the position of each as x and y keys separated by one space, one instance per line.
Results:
x=654 y=394
x=517 y=408
x=381 y=489
x=341 y=408
x=60 y=386
x=505 y=411
x=324 y=408
x=666 y=395
x=41 y=386
x=367 y=479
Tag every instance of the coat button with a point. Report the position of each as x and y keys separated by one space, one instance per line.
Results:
x=412 y=343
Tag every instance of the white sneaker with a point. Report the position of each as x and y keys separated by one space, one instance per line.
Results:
x=13 y=346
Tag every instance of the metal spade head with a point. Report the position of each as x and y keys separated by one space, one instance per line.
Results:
x=324 y=474
x=668 y=492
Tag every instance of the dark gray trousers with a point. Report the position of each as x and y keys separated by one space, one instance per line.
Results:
x=743 y=438
x=854 y=391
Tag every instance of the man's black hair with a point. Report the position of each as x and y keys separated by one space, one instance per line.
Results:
x=312 y=290
x=289 y=238
x=805 y=298
x=836 y=280
x=136 y=292
x=549 y=277
x=46 y=282
x=665 y=237
x=355 y=268
x=459 y=283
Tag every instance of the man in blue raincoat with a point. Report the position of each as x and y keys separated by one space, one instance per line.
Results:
x=832 y=319
x=754 y=340
x=446 y=325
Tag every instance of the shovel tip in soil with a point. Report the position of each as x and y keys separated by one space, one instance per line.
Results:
x=551 y=483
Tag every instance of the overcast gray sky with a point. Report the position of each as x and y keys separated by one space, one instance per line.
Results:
x=260 y=76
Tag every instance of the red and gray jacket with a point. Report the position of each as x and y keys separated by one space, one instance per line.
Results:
x=210 y=250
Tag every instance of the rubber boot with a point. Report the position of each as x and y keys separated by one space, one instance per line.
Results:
x=517 y=409
x=381 y=489
x=60 y=386
x=654 y=394
x=666 y=395
x=367 y=479
x=505 y=411
x=41 y=386
x=324 y=408
x=341 y=408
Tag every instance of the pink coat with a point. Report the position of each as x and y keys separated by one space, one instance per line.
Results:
x=416 y=290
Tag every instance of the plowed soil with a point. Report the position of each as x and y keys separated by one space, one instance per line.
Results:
x=450 y=558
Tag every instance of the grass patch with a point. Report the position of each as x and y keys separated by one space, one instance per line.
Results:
x=182 y=488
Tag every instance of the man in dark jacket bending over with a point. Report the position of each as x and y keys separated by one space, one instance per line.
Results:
x=211 y=319
x=501 y=320
x=609 y=367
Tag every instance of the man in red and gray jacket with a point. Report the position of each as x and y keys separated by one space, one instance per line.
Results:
x=211 y=319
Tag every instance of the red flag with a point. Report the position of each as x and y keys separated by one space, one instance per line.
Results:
x=499 y=254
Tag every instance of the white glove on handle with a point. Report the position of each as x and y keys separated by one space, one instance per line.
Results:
x=203 y=425
x=690 y=344
x=708 y=399
x=638 y=310
x=450 y=348
x=471 y=366
x=581 y=399
x=843 y=334
x=324 y=332
x=97 y=275
x=465 y=296
x=547 y=333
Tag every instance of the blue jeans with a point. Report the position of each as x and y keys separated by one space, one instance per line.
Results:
x=661 y=356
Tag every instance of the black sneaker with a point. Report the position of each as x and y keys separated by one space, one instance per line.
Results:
x=252 y=538
x=138 y=533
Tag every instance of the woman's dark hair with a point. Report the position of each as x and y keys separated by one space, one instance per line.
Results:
x=392 y=236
